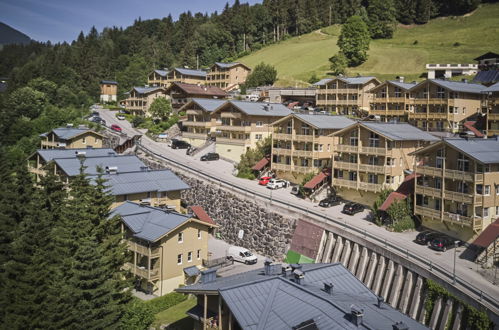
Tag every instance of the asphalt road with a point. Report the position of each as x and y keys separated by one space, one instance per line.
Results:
x=465 y=269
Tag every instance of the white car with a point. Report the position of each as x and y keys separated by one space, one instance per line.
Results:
x=241 y=254
x=277 y=183
x=120 y=117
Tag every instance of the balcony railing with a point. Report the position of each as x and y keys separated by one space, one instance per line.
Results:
x=345 y=166
x=374 y=168
x=194 y=112
x=430 y=115
x=388 y=112
x=148 y=274
x=303 y=138
x=428 y=191
x=190 y=135
x=293 y=168
x=230 y=114
x=50 y=143
x=427 y=212
x=234 y=128
x=346 y=148
x=459 y=197
x=143 y=250
x=237 y=142
x=449 y=174
x=281 y=151
x=35 y=170
x=282 y=136
x=345 y=183
x=458 y=219
x=374 y=187
x=303 y=153
x=374 y=151
x=197 y=123
x=493 y=116
x=338 y=91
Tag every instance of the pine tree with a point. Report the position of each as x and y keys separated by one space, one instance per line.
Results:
x=382 y=20
x=354 y=40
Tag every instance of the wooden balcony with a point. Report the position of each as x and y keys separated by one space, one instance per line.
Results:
x=345 y=166
x=493 y=116
x=428 y=191
x=374 y=151
x=458 y=219
x=428 y=115
x=303 y=138
x=231 y=114
x=344 y=183
x=38 y=171
x=373 y=187
x=293 y=168
x=303 y=153
x=196 y=112
x=449 y=174
x=282 y=136
x=281 y=151
x=197 y=123
x=236 y=142
x=389 y=99
x=380 y=169
x=459 y=175
x=231 y=128
x=334 y=91
x=148 y=274
x=388 y=112
x=429 y=170
x=459 y=197
x=189 y=135
x=50 y=144
x=427 y=212
x=143 y=250
x=346 y=148
x=339 y=102
x=281 y=167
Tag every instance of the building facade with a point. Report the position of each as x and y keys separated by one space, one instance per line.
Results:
x=450 y=70
x=241 y=125
x=345 y=95
x=442 y=105
x=181 y=93
x=492 y=104
x=71 y=138
x=200 y=125
x=227 y=76
x=303 y=143
x=390 y=101
x=158 y=78
x=140 y=99
x=457 y=189
x=371 y=157
x=108 y=91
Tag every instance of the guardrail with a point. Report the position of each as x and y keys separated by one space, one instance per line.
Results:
x=443 y=273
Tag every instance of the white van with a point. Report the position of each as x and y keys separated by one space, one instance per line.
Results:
x=241 y=254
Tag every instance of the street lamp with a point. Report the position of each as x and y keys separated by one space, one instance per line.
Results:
x=454 y=271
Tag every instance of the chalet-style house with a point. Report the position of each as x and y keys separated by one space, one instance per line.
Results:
x=71 y=138
x=372 y=156
x=227 y=76
x=457 y=189
x=181 y=93
x=442 y=105
x=199 y=125
x=492 y=95
x=390 y=100
x=240 y=125
x=302 y=143
x=488 y=61
x=157 y=78
x=345 y=95
x=308 y=296
x=167 y=247
x=141 y=98
x=108 y=91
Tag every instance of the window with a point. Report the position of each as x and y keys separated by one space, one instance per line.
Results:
x=352 y=176
x=353 y=159
x=199 y=233
x=372 y=178
x=259 y=124
x=189 y=256
x=373 y=140
x=497 y=210
x=354 y=138
x=304 y=162
x=258 y=136
x=439 y=161
x=373 y=160
x=328 y=147
x=485 y=212
x=438 y=183
x=497 y=190
x=289 y=128
x=486 y=191
x=125 y=197
x=305 y=129
x=425 y=200
x=321 y=146
x=180 y=237
x=438 y=204
x=84 y=140
x=179 y=259
x=463 y=164
x=462 y=187
x=198 y=255
x=479 y=189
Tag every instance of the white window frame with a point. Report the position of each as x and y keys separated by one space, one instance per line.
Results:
x=189 y=256
x=179 y=259
x=180 y=237
x=485 y=212
x=259 y=123
x=486 y=190
x=199 y=233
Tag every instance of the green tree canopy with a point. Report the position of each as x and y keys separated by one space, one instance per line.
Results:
x=354 y=41
x=262 y=75
x=27 y=102
x=382 y=21
x=339 y=63
x=160 y=108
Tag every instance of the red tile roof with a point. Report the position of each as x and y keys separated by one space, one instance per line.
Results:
x=403 y=191
x=195 y=89
x=261 y=164
x=488 y=236
x=317 y=179
x=470 y=125
x=201 y=214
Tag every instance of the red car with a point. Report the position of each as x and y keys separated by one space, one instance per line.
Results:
x=264 y=180
x=116 y=128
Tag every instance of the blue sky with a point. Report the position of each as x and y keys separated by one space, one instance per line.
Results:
x=62 y=20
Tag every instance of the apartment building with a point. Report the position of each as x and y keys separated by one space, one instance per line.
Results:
x=141 y=98
x=166 y=247
x=163 y=78
x=492 y=101
x=345 y=95
x=307 y=297
x=108 y=91
x=442 y=105
x=457 y=189
x=240 y=125
x=181 y=93
x=390 y=100
x=227 y=76
x=158 y=78
x=372 y=156
x=71 y=138
x=199 y=125
x=303 y=143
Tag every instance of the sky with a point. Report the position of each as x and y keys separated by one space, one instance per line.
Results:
x=62 y=20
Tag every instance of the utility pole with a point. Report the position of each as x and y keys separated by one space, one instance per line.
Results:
x=330 y=9
x=197 y=61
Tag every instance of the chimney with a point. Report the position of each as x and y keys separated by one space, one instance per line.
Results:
x=298 y=276
x=112 y=169
x=80 y=154
x=380 y=301
x=401 y=79
x=464 y=80
x=267 y=266
x=400 y=326
x=328 y=288
x=356 y=315
x=208 y=276
x=69 y=125
x=144 y=168
x=295 y=266
x=285 y=270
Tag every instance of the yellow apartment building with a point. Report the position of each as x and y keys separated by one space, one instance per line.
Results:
x=227 y=76
x=492 y=96
x=390 y=100
x=442 y=105
x=373 y=156
x=108 y=91
x=345 y=95
x=199 y=125
x=71 y=138
x=141 y=98
x=457 y=189
x=181 y=93
x=166 y=248
x=240 y=125
x=302 y=143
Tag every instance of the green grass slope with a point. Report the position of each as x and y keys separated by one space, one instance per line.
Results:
x=443 y=40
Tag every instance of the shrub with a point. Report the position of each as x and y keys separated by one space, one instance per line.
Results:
x=456 y=44
x=137 y=316
x=159 y=304
x=406 y=223
x=415 y=42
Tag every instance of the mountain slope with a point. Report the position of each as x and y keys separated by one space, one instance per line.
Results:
x=9 y=35
x=442 y=40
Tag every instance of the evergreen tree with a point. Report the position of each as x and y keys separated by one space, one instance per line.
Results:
x=262 y=75
x=339 y=63
x=382 y=20
x=354 y=40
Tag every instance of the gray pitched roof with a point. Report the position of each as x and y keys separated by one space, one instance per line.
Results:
x=323 y=81
x=493 y=88
x=484 y=150
x=149 y=223
x=109 y=82
x=71 y=166
x=208 y=104
x=403 y=85
x=145 y=90
x=487 y=77
x=261 y=301
x=144 y=181
x=226 y=65
x=399 y=131
x=457 y=86
x=258 y=108
x=348 y=80
x=49 y=154
x=325 y=121
x=162 y=73
x=66 y=133
x=191 y=72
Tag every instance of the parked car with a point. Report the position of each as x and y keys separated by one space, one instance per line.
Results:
x=241 y=254
x=330 y=201
x=124 y=111
x=179 y=144
x=277 y=183
x=442 y=243
x=162 y=135
x=264 y=180
x=116 y=128
x=352 y=208
x=120 y=117
x=425 y=237
x=210 y=156
x=295 y=190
